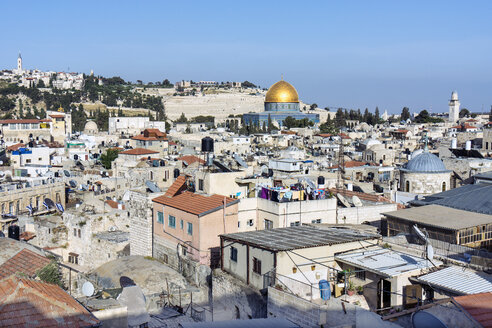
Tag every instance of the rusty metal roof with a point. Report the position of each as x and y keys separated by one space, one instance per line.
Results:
x=479 y=306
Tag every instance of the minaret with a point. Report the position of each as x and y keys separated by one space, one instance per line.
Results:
x=19 y=63
x=454 y=108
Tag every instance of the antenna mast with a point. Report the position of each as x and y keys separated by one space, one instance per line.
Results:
x=341 y=165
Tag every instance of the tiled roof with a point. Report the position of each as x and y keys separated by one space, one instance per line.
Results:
x=26 y=262
x=353 y=164
x=288 y=132
x=142 y=138
x=344 y=136
x=172 y=143
x=15 y=147
x=113 y=204
x=178 y=186
x=57 y=116
x=29 y=303
x=368 y=197
x=195 y=203
x=324 y=135
x=156 y=132
x=190 y=159
x=26 y=120
x=479 y=306
x=139 y=151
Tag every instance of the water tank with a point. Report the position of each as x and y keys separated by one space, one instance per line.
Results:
x=321 y=180
x=325 y=289
x=454 y=143
x=14 y=232
x=468 y=145
x=208 y=145
x=176 y=173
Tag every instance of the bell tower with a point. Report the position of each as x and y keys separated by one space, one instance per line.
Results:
x=19 y=63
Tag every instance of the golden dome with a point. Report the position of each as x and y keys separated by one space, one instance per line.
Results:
x=282 y=92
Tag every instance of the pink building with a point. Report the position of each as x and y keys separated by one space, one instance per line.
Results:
x=188 y=224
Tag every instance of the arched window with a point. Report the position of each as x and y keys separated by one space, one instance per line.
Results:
x=407 y=186
x=151 y=176
x=444 y=186
x=58 y=199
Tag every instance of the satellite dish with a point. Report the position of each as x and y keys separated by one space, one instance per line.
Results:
x=67 y=174
x=419 y=233
x=356 y=201
x=72 y=184
x=343 y=200
x=422 y=319
x=113 y=228
x=430 y=252
x=88 y=289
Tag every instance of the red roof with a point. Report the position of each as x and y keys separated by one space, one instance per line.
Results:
x=26 y=262
x=344 y=136
x=15 y=147
x=479 y=306
x=190 y=159
x=401 y=131
x=353 y=164
x=30 y=303
x=141 y=137
x=26 y=120
x=195 y=203
x=113 y=204
x=177 y=187
x=57 y=116
x=155 y=132
x=172 y=143
x=324 y=135
x=288 y=132
x=139 y=151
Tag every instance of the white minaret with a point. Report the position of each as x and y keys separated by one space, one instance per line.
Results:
x=19 y=63
x=454 y=108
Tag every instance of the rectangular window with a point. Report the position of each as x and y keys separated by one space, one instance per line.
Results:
x=181 y=224
x=171 y=221
x=234 y=254
x=200 y=184
x=160 y=217
x=190 y=228
x=268 y=224
x=256 y=265
x=74 y=232
x=295 y=224
x=316 y=221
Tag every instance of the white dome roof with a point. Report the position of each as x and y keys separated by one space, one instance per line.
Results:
x=91 y=126
x=371 y=142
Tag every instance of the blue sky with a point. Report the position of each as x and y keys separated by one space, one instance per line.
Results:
x=351 y=54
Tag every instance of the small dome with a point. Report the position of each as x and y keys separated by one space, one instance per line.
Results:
x=425 y=163
x=454 y=95
x=282 y=92
x=91 y=127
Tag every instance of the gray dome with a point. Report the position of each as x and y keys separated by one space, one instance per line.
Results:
x=425 y=163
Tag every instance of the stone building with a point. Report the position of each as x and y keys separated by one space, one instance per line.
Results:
x=16 y=196
x=425 y=174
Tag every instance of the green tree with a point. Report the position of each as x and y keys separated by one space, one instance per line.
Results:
x=108 y=157
x=490 y=115
x=41 y=84
x=182 y=119
x=270 y=123
x=464 y=112
x=339 y=118
x=405 y=114
x=377 y=118
x=51 y=274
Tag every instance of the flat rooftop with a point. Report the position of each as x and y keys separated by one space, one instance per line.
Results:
x=441 y=217
x=285 y=239
x=386 y=262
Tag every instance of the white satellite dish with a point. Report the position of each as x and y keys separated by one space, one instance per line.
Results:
x=430 y=252
x=419 y=233
x=356 y=201
x=88 y=289
x=343 y=200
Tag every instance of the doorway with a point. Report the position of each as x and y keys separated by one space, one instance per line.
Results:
x=384 y=294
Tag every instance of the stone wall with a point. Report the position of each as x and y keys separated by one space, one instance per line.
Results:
x=357 y=215
x=140 y=208
x=425 y=183
x=232 y=299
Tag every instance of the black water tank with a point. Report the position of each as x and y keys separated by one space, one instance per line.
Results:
x=321 y=180
x=14 y=232
x=208 y=145
x=176 y=173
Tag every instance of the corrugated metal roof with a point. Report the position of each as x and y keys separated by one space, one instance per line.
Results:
x=441 y=217
x=474 y=198
x=459 y=281
x=386 y=262
x=284 y=239
x=479 y=306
